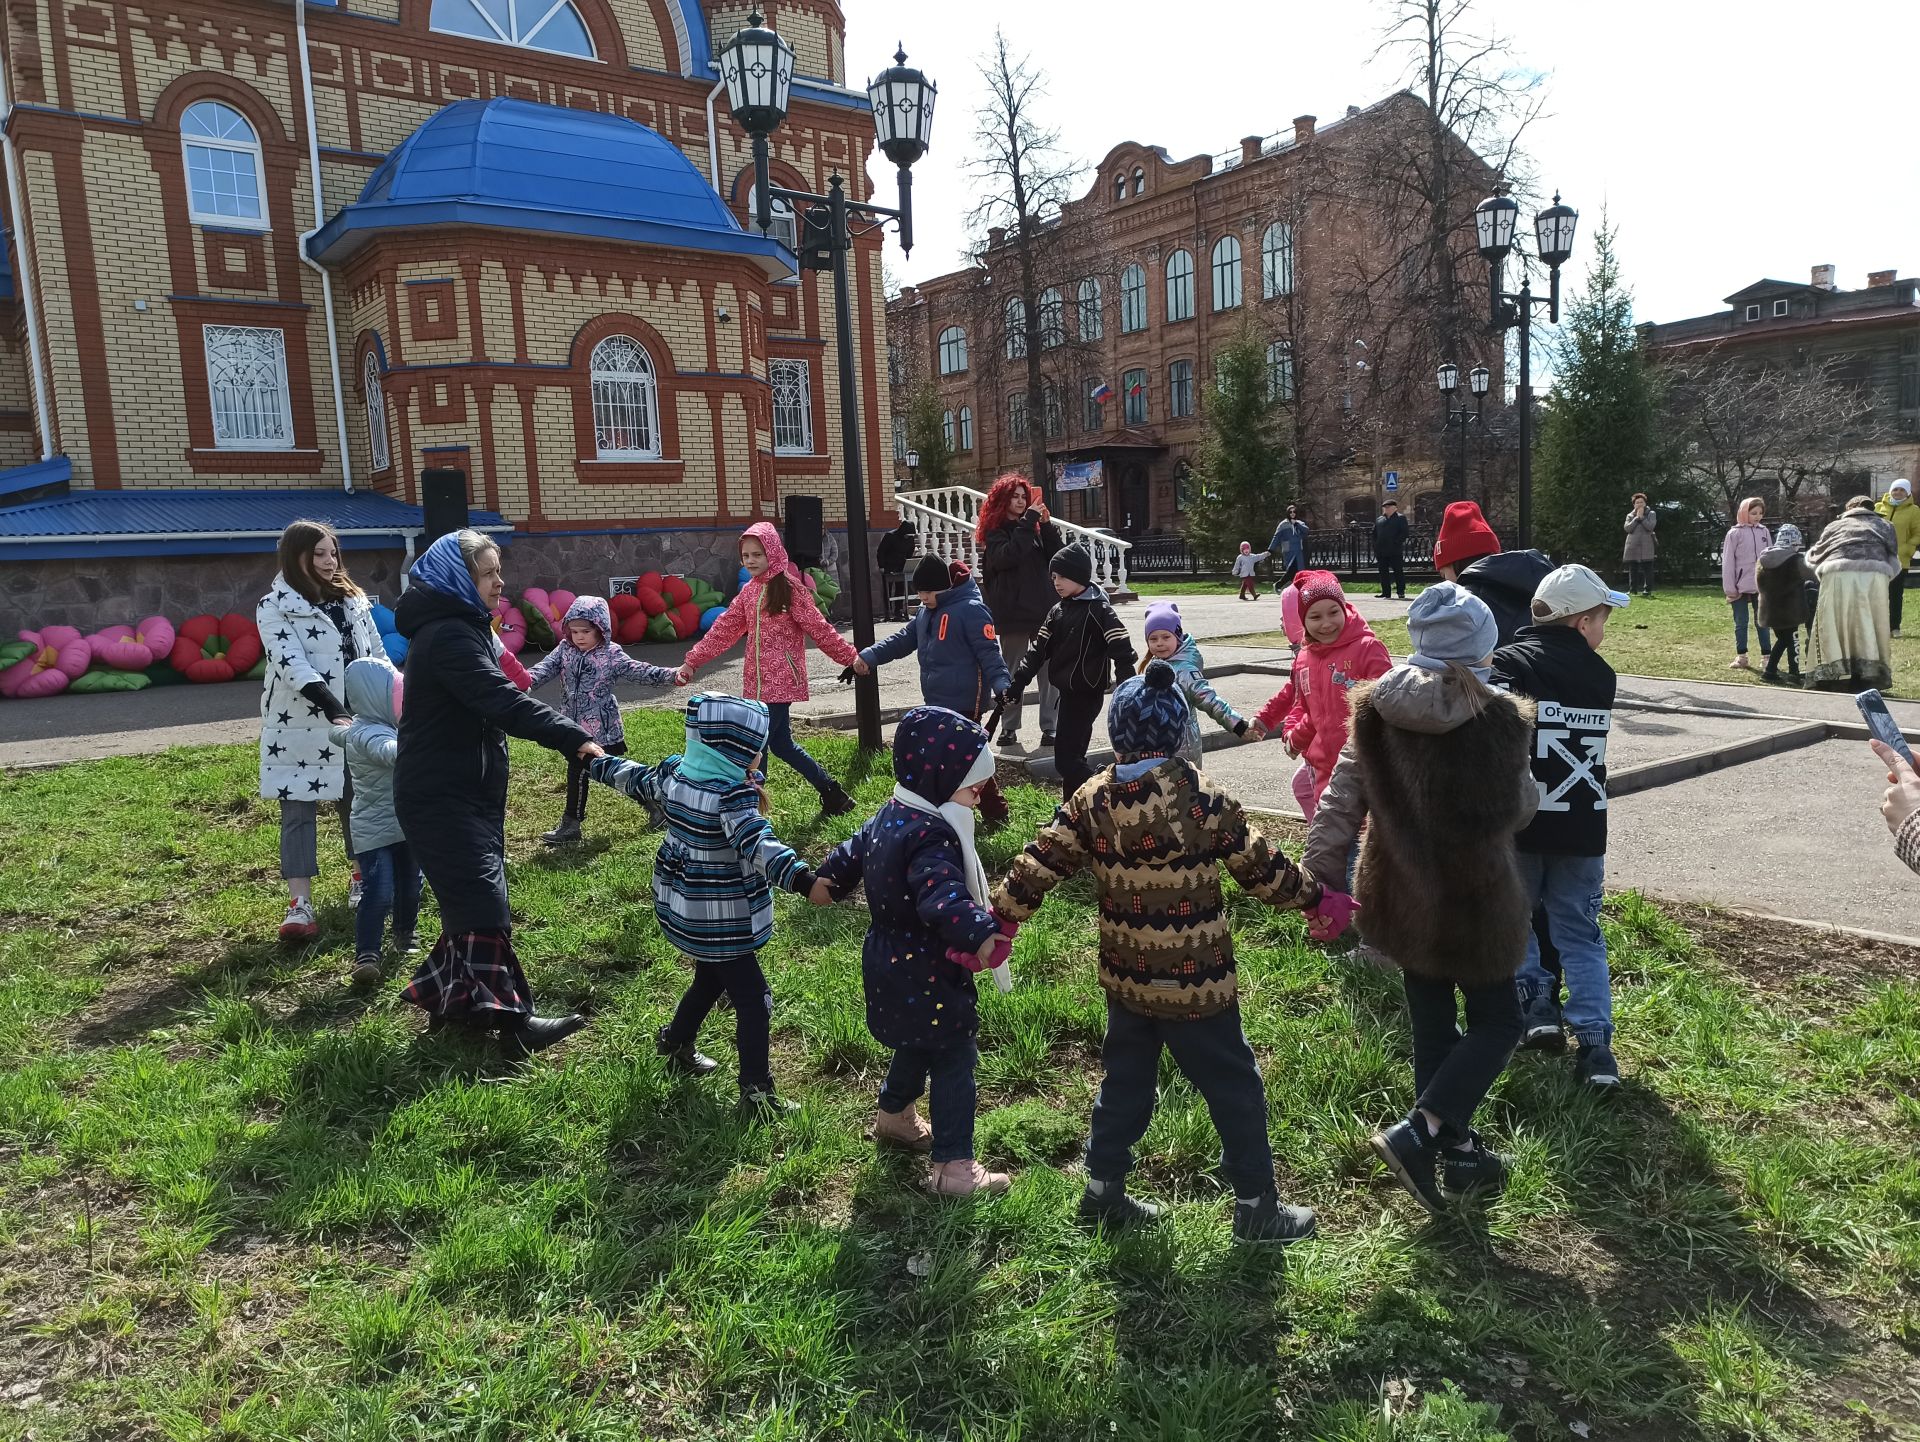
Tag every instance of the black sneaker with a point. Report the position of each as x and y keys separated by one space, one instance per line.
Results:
x=1408 y=1148
x=1267 y=1219
x=1540 y=1025
x=1595 y=1065
x=565 y=834
x=684 y=1058
x=366 y=970
x=1114 y=1207
x=1046 y=741
x=1477 y=1171
x=765 y=1103
x=529 y=1034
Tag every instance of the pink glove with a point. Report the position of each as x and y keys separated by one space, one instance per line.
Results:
x=1329 y=916
x=1002 y=949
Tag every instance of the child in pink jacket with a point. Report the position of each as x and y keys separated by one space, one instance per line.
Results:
x=775 y=613
x=1310 y=712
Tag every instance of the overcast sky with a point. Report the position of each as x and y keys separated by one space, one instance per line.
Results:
x=1728 y=141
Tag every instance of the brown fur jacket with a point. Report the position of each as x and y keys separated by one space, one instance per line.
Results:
x=1438 y=766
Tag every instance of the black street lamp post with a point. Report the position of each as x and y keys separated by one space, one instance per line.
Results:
x=1478 y=379
x=757 y=66
x=913 y=470
x=1553 y=234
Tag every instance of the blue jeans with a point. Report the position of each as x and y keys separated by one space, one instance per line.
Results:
x=781 y=743
x=1213 y=1054
x=945 y=1074
x=1740 y=606
x=389 y=881
x=1568 y=888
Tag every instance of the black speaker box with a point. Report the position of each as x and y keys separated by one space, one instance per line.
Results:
x=805 y=530
x=443 y=496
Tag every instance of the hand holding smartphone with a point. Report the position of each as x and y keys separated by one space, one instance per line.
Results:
x=1873 y=709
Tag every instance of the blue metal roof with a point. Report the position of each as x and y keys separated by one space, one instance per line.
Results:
x=202 y=522
x=34 y=476
x=516 y=165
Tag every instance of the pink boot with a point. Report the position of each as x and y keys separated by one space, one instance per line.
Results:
x=965 y=1177
x=902 y=1129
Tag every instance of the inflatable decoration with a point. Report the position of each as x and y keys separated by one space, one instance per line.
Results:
x=652 y=601
x=161 y=673
x=99 y=680
x=742 y=578
x=676 y=590
x=545 y=611
x=510 y=625
x=660 y=628
x=12 y=651
x=391 y=640
x=257 y=671
x=710 y=615
x=825 y=588
x=132 y=648
x=58 y=655
x=686 y=620
x=217 y=648
x=629 y=619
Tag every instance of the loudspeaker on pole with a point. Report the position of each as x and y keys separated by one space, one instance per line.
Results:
x=443 y=499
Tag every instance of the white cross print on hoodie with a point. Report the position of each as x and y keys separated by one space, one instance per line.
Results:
x=1578 y=740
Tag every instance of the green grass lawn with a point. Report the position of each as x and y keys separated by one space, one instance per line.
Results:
x=1685 y=635
x=239 y=1201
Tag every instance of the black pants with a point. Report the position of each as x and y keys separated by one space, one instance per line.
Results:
x=579 y=783
x=945 y=1074
x=1454 y=1070
x=1213 y=1054
x=1640 y=577
x=1896 y=599
x=1288 y=570
x=1785 y=643
x=740 y=978
x=1392 y=567
x=1072 y=733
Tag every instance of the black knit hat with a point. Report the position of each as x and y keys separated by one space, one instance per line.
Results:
x=931 y=575
x=1073 y=563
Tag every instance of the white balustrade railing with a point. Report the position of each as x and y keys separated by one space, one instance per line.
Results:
x=945 y=517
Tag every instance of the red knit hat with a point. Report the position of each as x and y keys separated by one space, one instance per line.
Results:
x=1318 y=586
x=1464 y=536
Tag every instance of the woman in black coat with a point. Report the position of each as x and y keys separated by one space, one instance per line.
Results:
x=450 y=789
x=1018 y=539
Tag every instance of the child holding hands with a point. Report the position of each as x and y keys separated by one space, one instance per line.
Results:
x=930 y=931
x=589 y=663
x=1244 y=566
x=390 y=877
x=1168 y=641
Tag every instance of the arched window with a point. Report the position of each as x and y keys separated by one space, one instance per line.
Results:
x=1120 y=186
x=553 y=25
x=966 y=428
x=1179 y=286
x=1093 y=324
x=1276 y=261
x=1133 y=299
x=1280 y=371
x=1139 y=181
x=376 y=402
x=781 y=227
x=1016 y=327
x=626 y=401
x=946 y=428
x=1226 y=272
x=953 y=351
x=1053 y=319
x=226 y=183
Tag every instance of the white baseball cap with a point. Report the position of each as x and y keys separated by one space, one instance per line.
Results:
x=1571 y=590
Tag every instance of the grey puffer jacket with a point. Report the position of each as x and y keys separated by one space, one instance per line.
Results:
x=1640 y=543
x=372 y=745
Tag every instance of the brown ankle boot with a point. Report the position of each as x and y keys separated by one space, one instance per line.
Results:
x=965 y=1177
x=902 y=1129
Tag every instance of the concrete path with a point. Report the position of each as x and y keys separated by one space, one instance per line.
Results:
x=1732 y=793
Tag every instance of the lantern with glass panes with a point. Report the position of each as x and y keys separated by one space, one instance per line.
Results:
x=1458 y=418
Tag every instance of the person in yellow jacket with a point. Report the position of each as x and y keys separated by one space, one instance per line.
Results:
x=1904 y=516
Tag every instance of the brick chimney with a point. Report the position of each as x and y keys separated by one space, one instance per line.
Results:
x=1303 y=128
x=1881 y=277
x=1249 y=149
x=1823 y=277
x=996 y=236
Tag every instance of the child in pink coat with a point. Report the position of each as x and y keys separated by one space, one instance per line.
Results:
x=775 y=613
x=1310 y=712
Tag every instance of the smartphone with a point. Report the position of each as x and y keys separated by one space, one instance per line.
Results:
x=1873 y=707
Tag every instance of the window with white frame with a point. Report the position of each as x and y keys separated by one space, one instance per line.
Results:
x=781 y=225
x=247 y=383
x=946 y=428
x=1133 y=299
x=1779 y=307
x=953 y=351
x=552 y=25
x=1016 y=328
x=1017 y=416
x=1120 y=186
x=226 y=181
x=1276 y=261
x=1180 y=389
x=1280 y=371
x=1753 y=312
x=1226 y=272
x=966 y=428
x=1093 y=323
x=1139 y=181
x=379 y=456
x=1179 y=286
x=1053 y=319
x=792 y=407
x=626 y=401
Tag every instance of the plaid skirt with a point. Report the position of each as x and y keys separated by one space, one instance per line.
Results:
x=468 y=972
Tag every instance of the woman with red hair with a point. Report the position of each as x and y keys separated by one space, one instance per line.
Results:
x=1017 y=539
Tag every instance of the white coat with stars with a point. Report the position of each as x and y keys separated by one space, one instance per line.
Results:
x=300 y=757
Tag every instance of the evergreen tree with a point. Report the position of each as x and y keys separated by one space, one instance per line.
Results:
x=1241 y=477
x=927 y=434
x=1599 y=436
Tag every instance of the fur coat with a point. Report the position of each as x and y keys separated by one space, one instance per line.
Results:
x=1438 y=768
x=1856 y=541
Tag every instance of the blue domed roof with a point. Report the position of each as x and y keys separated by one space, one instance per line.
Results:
x=516 y=165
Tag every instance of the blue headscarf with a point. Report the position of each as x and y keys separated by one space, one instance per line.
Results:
x=442 y=568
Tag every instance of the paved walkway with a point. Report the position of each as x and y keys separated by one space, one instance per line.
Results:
x=1731 y=793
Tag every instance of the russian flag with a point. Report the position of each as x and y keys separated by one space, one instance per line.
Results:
x=1102 y=393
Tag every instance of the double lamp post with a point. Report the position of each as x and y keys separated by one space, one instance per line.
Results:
x=1459 y=418
x=757 y=66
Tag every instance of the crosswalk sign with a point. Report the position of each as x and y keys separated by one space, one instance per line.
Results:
x=1393 y=480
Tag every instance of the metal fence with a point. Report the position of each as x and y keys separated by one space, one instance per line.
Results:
x=1345 y=553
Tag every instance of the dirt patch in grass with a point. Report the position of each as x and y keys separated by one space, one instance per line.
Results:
x=1785 y=958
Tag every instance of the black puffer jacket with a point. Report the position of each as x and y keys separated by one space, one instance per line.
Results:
x=450 y=782
x=1506 y=581
x=1014 y=576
